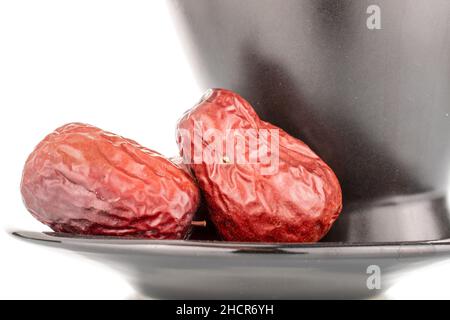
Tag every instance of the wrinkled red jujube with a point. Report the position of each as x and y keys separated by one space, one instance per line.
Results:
x=298 y=203
x=83 y=180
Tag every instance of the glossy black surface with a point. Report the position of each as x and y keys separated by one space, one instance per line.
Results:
x=217 y=270
x=374 y=104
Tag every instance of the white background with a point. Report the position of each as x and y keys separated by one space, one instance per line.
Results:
x=114 y=64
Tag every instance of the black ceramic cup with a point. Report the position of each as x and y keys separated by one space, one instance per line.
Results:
x=366 y=84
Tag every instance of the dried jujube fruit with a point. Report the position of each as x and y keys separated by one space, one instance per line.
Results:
x=83 y=180
x=297 y=201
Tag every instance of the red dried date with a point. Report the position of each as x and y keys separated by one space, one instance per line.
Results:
x=83 y=180
x=295 y=201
